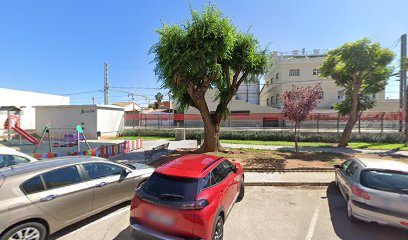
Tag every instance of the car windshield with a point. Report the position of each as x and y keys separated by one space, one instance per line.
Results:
x=169 y=188
x=390 y=181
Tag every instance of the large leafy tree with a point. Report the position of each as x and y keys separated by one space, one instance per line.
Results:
x=203 y=53
x=362 y=68
x=298 y=103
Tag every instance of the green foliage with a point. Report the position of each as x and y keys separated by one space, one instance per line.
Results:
x=327 y=137
x=159 y=97
x=362 y=59
x=344 y=107
x=203 y=53
x=360 y=62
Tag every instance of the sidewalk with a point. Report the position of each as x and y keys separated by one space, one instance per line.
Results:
x=193 y=144
x=288 y=178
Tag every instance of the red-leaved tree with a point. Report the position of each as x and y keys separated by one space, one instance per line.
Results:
x=297 y=104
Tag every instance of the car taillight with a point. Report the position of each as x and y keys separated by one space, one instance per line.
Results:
x=404 y=224
x=360 y=193
x=197 y=205
x=135 y=201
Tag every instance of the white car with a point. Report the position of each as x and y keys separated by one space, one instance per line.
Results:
x=10 y=157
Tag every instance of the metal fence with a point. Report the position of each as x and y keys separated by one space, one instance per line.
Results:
x=367 y=122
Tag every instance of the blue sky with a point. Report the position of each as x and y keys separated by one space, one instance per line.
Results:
x=60 y=46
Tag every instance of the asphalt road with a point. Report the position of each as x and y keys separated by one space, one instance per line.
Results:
x=265 y=213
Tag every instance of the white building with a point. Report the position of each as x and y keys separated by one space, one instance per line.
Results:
x=249 y=91
x=96 y=120
x=300 y=69
x=25 y=100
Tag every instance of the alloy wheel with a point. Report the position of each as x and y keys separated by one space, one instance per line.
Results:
x=218 y=231
x=28 y=233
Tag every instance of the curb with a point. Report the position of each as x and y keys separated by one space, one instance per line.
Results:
x=288 y=184
x=289 y=170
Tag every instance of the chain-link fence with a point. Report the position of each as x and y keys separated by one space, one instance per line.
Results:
x=316 y=122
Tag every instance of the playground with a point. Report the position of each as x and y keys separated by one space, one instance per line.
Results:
x=54 y=142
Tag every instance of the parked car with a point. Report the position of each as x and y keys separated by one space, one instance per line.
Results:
x=375 y=191
x=10 y=157
x=43 y=197
x=187 y=198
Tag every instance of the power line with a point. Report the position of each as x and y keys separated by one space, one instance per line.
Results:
x=78 y=93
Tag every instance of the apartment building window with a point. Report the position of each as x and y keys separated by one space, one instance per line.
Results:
x=316 y=71
x=272 y=100
x=271 y=80
x=294 y=72
x=340 y=94
x=321 y=95
x=277 y=98
x=277 y=76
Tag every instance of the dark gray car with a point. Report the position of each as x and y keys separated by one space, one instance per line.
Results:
x=375 y=190
x=37 y=199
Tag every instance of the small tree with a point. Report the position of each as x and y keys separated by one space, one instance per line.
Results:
x=298 y=103
x=158 y=97
x=207 y=52
x=362 y=69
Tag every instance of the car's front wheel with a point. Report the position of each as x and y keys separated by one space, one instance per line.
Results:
x=218 y=229
x=26 y=231
x=241 y=190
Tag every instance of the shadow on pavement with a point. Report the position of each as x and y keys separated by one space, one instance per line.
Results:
x=124 y=235
x=346 y=230
x=87 y=221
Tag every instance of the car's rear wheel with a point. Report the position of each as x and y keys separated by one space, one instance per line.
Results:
x=218 y=229
x=26 y=231
x=241 y=191
x=350 y=215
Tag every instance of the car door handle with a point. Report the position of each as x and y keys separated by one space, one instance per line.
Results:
x=101 y=184
x=48 y=198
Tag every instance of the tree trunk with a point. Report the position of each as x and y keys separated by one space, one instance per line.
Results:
x=211 y=136
x=345 y=137
x=296 y=138
x=211 y=129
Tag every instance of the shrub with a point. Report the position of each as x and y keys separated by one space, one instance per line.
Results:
x=328 y=137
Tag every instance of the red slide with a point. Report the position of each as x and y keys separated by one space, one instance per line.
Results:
x=25 y=134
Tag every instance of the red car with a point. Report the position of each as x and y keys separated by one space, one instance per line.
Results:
x=187 y=198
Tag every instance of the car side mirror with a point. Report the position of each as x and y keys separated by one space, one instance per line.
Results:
x=337 y=166
x=234 y=168
x=125 y=172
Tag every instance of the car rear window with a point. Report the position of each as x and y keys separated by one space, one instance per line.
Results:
x=390 y=181
x=62 y=177
x=164 y=187
x=33 y=185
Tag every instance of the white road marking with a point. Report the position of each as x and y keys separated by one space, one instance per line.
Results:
x=313 y=222
x=116 y=213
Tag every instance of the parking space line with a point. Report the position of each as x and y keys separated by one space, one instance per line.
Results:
x=116 y=213
x=313 y=222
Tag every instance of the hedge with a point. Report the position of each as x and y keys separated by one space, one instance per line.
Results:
x=329 y=137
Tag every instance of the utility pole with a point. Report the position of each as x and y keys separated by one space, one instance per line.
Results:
x=404 y=79
x=106 y=86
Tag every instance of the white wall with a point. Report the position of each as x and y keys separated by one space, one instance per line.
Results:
x=110 y=121
x=67 y=117
x=106 y=119
x=26 y=100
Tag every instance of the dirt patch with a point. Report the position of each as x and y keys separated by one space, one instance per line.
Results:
x=255 y=158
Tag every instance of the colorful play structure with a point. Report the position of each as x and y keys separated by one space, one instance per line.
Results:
x=64 y=137
x=72 y=136
x=13 y=123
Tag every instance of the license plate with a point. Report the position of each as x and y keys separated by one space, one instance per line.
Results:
x=160 y=218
